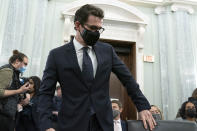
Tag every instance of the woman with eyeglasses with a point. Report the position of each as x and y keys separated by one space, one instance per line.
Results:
x=27 y=119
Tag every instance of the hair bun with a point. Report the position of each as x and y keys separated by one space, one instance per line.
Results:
x=15 y=52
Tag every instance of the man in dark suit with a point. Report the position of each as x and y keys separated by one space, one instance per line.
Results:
x=119 y=125
x=83 y=67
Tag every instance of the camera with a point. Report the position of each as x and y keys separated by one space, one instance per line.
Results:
x=23 y=80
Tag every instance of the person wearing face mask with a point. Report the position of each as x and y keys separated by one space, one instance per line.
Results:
x=188 y=111
x=10 y=89
x=156 y=113
x=193 y=99
x=83 y=67
x=119 y=125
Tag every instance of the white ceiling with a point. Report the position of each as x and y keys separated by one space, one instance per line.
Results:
x=161 y=2
x=167 y=0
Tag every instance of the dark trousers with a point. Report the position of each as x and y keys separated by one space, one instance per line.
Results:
x=94 y=124
x=6 y=123
x=25 y=124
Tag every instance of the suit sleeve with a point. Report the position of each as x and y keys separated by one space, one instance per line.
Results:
x=46 y=93
x=133 y=90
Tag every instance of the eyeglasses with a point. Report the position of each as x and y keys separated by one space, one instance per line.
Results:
x=95 y=28
x=25 y=63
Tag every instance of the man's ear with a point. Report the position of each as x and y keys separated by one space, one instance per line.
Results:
x=77 y=25
x=121 y=109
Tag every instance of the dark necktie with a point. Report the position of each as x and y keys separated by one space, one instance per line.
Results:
x=87 y=68
x=87 y=72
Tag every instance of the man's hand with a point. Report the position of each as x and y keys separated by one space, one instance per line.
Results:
x=147 y=117
x=50 y=129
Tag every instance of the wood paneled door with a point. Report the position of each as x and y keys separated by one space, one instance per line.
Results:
x=127 y=53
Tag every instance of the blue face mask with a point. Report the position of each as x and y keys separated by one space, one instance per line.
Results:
x=22 y=69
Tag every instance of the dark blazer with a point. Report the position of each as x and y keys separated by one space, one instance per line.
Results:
x=77 y=96
x=27 y=119
x=124 y=126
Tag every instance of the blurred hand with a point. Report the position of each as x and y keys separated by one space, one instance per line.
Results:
x=24 y=101
x=24 y=88
x=55 y=113
x=147 y=118
x=19 y=107
x=50 y=129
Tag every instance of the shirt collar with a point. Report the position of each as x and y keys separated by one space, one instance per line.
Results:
x=118 y=121
x=78 y=46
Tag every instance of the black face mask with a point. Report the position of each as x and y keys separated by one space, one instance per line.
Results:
x=115 y=113
x=156 y=116
x=190 y=113
x=89 y=37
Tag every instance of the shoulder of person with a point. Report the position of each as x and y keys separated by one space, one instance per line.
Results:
x=99 y=43
x=60 y=49
x=6 y=72
x=105 y=47
x=5 y=79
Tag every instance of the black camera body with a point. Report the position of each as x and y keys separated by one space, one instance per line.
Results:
x=23 y=80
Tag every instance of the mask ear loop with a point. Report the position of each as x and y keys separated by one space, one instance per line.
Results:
x=83 y=31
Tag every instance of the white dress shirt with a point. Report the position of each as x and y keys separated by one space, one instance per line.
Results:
x=117 y=125
x=79 y=52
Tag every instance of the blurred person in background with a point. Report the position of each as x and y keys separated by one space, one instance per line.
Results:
x=27 y=118
x=188 y=112
x=57 y=101
x=10 y=88
x=117 y=108
x=156 y=113
x=193 y=99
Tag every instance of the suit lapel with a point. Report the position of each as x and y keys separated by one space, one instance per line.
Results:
x=98 y=57
x=74 y=61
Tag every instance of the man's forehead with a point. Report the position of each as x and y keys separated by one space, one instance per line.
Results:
x=94 y=19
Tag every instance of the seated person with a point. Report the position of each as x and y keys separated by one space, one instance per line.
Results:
x=156 y=112
x=119 y=125
x=27 y=118
x=193 y=99
x=188 y=111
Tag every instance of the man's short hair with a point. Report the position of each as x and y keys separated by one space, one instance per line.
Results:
x=117 y=102
x=85 y=11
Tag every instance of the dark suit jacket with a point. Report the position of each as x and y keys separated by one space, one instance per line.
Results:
x=28 y=118
x=74 y=115
x=124 y=126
